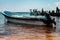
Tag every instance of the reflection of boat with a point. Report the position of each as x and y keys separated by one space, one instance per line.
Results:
x=35 y=20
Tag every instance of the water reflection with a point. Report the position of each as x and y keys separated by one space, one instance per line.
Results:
x=29 y=28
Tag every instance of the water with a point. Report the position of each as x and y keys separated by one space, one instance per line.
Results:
x=23 y=31
x=2 y=28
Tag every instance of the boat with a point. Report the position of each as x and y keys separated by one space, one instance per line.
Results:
x=32 y=20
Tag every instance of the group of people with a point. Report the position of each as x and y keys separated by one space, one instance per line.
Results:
x=48 y=19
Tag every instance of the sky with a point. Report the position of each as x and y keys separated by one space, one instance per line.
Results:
x=25 y=5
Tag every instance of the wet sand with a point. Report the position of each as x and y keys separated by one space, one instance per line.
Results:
x=30 y=32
